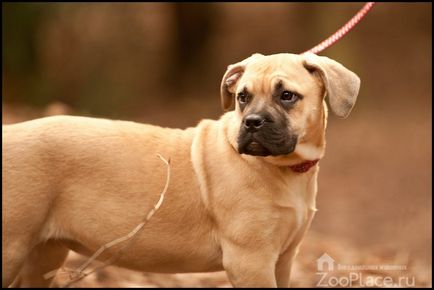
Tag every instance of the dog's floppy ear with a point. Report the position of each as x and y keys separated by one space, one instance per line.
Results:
x=342 y=85
x=230 y=78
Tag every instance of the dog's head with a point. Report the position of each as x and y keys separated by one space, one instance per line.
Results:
x=279 y=100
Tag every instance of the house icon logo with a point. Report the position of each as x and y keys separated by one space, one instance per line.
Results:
x=325 y=263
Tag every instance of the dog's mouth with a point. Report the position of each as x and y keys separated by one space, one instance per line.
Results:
x=253 y=144
x=254 y=148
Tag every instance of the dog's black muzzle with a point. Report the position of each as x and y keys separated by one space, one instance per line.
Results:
x=261 y=135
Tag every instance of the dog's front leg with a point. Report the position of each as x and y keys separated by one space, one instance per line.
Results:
x=249 y=268
x=283 y=268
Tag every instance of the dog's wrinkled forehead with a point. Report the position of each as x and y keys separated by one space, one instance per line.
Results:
x=303 y=74
x=263 y=73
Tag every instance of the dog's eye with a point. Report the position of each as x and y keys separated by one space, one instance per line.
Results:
x=242 y=98
x=289 y=97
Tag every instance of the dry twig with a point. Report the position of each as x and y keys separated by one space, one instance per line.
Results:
x=78 y=274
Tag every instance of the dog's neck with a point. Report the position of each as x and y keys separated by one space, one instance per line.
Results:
x=301 y=160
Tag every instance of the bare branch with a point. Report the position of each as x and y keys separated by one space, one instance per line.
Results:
x=78 y=274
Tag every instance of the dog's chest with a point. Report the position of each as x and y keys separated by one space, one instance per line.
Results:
x=295 y=203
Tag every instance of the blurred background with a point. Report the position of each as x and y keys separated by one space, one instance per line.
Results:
x=162 y=63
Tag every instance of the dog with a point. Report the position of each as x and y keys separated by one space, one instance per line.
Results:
x=241 y=194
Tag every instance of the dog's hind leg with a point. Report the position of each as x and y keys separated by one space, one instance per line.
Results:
x=44 y=258
x=14 y=255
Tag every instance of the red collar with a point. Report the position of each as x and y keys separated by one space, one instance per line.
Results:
x=304 y=166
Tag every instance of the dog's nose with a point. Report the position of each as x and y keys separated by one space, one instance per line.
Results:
x=253 y=122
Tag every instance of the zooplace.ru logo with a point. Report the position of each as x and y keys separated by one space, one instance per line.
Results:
x=326 y=267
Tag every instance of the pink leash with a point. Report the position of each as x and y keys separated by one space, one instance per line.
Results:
x=343 y=30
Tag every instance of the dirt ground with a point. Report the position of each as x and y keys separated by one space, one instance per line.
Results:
x=374 y=203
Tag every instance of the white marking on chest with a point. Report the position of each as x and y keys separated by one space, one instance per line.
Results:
x=300 y=197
